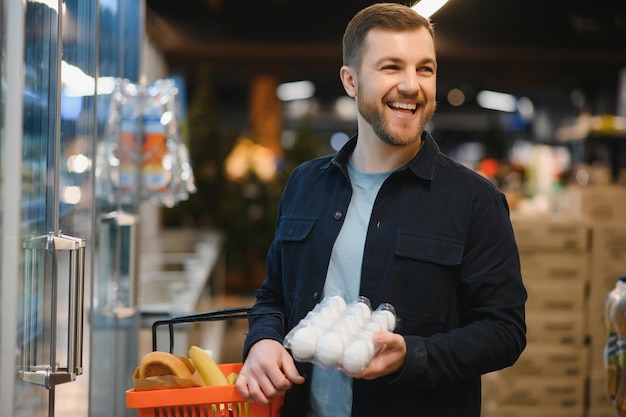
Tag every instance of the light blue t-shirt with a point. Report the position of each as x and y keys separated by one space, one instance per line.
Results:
x=331 y=390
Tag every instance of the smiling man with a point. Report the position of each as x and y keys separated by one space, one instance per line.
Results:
x=394 y=84
x=391 y=218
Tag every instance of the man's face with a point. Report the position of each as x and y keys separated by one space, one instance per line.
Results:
x=396 y=84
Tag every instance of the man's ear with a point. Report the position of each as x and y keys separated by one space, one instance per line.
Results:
x=348 y=79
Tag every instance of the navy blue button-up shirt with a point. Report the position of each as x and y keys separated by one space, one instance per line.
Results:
x=440 y=248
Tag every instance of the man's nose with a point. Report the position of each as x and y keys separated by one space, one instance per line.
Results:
x=410 y=82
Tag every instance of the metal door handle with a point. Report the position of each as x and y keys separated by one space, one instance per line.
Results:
x=119 y=238
x=52 y=374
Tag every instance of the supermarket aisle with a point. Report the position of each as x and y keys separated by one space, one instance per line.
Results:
x=224 y=339
x=232 y=344
x=234 y=332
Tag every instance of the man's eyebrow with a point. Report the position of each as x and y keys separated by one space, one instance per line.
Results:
x=397 y=60
x=389 y=59
x=429 y=61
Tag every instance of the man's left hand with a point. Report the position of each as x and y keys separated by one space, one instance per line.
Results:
x=389 y=358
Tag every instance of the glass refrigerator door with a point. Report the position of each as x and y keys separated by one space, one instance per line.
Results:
x=52 y=84
x=76 y=204
x=52 y=191
x=39 y=272
x=115 y=322
x=39 y=276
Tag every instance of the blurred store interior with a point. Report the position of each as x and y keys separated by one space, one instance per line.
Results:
x=234 y=94
x=554 y=140
x=560 y=65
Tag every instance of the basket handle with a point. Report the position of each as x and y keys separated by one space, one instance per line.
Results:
x=231 y=313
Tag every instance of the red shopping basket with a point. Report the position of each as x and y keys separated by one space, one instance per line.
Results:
x=217 y=401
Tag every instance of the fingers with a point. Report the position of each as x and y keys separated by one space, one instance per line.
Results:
x=242 y=387
x=388 y=359
x=251 y=390
x=389 y=339
x=262 y=378
x=291 y=372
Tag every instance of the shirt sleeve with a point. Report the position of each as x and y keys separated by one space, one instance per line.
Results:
x=269 y=298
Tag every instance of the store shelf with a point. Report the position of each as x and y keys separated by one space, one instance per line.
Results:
x=176 y=269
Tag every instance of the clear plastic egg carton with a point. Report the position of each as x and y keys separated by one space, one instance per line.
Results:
x=340 y=335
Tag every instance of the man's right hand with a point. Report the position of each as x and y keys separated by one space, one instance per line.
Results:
x=268 y=372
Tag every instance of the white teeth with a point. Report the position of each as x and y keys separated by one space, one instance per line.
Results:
x=405 y=106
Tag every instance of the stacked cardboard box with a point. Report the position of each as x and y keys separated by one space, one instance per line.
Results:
x=604 y=209
x=549 y=379
x=608 y=263
x=596 y=204
x=570 y=262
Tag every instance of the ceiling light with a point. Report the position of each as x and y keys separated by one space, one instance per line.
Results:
x=525 y=107
x=338 y=139
x=298 y=90
x=53 y=4
x=428 y=8
x=345 y=107
x=494 y=100
x=456 y=97
x=78 y=84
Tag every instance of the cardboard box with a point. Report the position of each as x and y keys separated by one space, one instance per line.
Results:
x=598 y=392
x=565 y=329
x=601 y=412
x=494 y=410
x=563 y=269
x=598 y=334
x=564 y=393
x=554 y=297
x=605 y=272
x=550 y=233
x=598 y=203
x=597 y=344
x=550 y=361
x=609 y=241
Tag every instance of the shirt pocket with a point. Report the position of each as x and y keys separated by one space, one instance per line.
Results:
x=437 y=249
x=424 y=278
x=292 y=235
x=294 y=228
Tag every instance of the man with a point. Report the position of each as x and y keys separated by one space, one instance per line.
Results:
x=391 y=218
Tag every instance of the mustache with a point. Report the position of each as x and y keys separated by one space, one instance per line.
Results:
x=419 y=98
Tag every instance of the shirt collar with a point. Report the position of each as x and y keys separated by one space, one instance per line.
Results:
x=422 y=165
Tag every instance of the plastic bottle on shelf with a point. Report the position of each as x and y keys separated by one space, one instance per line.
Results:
x=615 y=350
x=610 y=348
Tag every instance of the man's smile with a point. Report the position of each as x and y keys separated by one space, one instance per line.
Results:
x=404 y=107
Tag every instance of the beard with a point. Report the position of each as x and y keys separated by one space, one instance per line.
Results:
x=375 y=117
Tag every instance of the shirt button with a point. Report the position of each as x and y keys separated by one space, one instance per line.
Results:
x=316 y=296
x=338 y=215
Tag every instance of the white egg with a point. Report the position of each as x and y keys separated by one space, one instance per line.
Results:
x=309 y=318
x=329 y=348
x=318 y=307
x=335 y=302
x=374 y=325
x=354 y=319
x=331 y=313
x=391 y=319
x=357 y=355
x=361 y=308
x=385 y=318
x=330 y=316
x=303 y=342
x=346 y=330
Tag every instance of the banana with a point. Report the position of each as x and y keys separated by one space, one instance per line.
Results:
x=207 y=368
x=232 y=377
